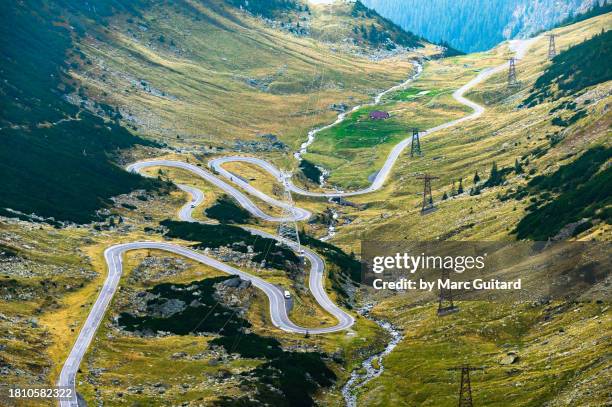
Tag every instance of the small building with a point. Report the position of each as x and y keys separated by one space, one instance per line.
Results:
x=378 y=115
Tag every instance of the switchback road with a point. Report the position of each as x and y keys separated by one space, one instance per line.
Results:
x=278 y=313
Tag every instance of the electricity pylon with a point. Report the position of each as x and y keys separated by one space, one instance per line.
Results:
x=465 y=389
x=512 y=81
x=415 y=146
x=445 y=299
x=552 y=49
x=287 y=228
x=427 y=196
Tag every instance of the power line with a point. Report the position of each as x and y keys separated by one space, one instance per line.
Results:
x=287 y=228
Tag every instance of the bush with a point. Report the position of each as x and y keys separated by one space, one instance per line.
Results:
x=310 y=171
x=582 y=191
x=294 y=375
x=225 y=210
x=214 y=236
x=347 y=263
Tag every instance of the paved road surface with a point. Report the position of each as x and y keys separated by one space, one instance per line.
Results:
x=278 y=313
x=243 y=200
x=520 y=47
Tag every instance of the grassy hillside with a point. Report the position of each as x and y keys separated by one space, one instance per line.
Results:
x=64 y=171
x=505 y=134
x=555 y=363
x=550 y=182
x=362 y=26
x=356 y=148
x=211 y=79
x=574 y=69
x=54 y=158
x=206 y=74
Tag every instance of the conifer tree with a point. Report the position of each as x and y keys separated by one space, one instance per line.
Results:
x=517 y=167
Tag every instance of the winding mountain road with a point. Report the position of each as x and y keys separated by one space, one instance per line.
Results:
x=278 y=313
x=243 y=200
x=520 y=47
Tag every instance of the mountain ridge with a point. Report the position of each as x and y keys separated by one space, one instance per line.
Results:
x=478 y=25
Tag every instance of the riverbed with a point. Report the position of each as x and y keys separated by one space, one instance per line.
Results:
x=373 y=366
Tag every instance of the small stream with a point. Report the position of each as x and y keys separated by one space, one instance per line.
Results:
x=358 y=377
x=331 y=227
x=312 y=133
x=331 y=230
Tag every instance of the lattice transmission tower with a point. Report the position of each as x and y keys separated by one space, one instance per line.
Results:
x=415 y=146
x=287 y=228
x=512 y=81
x=465 y=389
x=445 y=299
x=552 y=49
x=428 y=203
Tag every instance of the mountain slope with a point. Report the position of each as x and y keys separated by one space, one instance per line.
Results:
x=516 y=172
x=54 y=158
x=207 y=73
x=77 y=75
x=478 y=25
x=540 y=138
x=343 y=22
x=96 y=82
x=573 y=70
x=211 y=79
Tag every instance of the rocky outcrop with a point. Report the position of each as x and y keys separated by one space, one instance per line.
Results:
x=235 y=293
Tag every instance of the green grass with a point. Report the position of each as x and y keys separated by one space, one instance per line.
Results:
x=414 y=93
x=359 y=131
x=480 y=335
x=355 y=148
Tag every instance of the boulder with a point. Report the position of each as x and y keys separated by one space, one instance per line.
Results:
x=509 y=359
